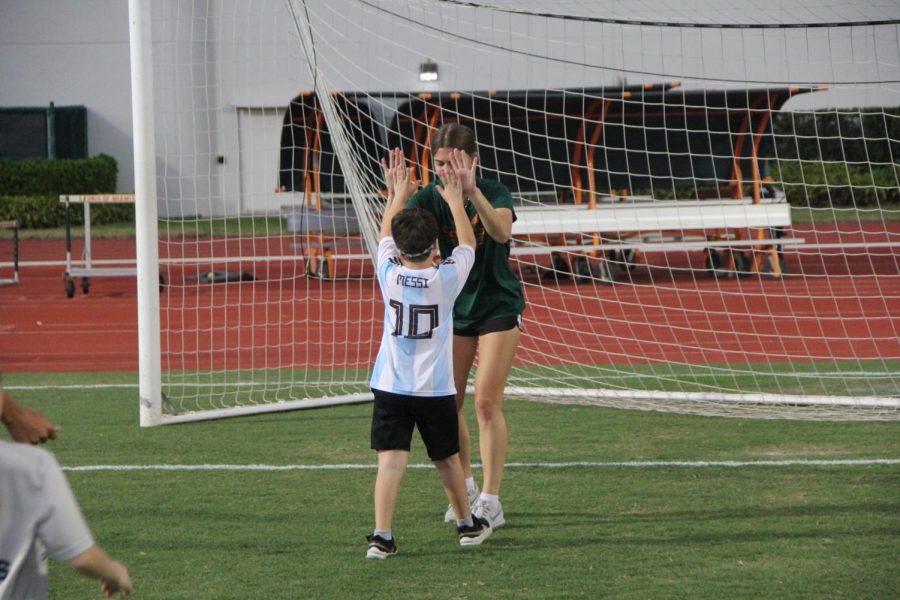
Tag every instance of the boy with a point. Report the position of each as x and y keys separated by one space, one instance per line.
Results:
x=413 y=375
x=39 y=516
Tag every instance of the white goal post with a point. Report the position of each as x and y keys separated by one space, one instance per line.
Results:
x=707 y=197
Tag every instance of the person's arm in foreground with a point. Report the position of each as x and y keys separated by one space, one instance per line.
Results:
x=113 y=576
x=24 y=424
x=67 y=537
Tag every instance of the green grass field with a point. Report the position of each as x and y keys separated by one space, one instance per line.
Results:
x=596 y=529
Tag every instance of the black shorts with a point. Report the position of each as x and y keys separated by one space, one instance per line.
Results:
x=490 y=326
x=394 y=416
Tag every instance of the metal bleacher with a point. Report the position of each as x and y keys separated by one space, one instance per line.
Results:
x=591 y=151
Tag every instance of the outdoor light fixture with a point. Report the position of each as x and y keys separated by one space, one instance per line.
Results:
x=428 y=71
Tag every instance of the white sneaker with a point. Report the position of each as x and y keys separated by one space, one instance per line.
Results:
x=492 y=512
x=380 y=548
x=475 y=533
x=450 y=515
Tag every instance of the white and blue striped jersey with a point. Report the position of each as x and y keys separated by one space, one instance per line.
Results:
x=416 y=355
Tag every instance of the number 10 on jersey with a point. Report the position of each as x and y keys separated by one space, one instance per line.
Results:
x=420 y=319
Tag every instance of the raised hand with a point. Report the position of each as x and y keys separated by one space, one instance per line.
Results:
x=386 y=174
x=398 y=176
x=386 y=171
x=452 y=190
x=465 y=173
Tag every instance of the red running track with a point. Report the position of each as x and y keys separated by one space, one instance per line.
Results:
x=844 y=305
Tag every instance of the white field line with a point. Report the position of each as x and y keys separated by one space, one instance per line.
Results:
x=691 y=464
x=111 y=386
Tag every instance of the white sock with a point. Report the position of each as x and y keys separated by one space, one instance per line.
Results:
x=491 y=499
x=467 y=522
x=384 y=534
x=470 y=483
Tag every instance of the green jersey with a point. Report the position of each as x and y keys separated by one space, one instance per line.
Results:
x=492 y=290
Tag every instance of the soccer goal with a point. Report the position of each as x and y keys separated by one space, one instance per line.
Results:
x=707 y=196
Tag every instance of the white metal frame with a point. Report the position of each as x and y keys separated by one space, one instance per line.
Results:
x=669 y=215
x=145 y=213
x=88 y=269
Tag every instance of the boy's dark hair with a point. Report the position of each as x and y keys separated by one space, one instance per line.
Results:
x=414 y=231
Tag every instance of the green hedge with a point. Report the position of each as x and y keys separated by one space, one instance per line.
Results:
x=38 y=177
x=40 y=212
x=838 y=157
x=847 y=135
x=30 y=190
x=818 y=184
x=810 y=184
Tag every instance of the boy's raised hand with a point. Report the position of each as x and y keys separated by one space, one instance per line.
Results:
x=452 y=193
x=397 y=176
x=452 y=190
x=388 y=179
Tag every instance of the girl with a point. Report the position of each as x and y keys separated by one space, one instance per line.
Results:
x=487 y=313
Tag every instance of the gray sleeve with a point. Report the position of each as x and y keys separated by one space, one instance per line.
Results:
x=62 y=528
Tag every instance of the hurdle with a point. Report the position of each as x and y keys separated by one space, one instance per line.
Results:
x=88 y=270
x=14 y=226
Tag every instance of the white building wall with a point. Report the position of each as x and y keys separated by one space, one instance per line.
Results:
x=72 y=53
x=226 y=69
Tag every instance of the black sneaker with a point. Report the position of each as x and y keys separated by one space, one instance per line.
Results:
x=477 y=533
x=380 y=548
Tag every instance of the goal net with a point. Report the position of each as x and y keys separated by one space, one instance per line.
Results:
x=707 y=195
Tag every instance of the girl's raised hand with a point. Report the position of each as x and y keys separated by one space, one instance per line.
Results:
x=466 y=174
